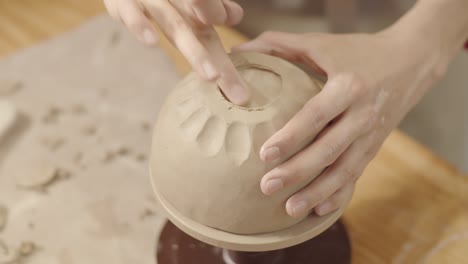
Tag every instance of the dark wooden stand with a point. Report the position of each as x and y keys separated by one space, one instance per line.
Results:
x=330 y=247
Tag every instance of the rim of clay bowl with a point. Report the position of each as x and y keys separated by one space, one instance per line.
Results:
x=261 y=68
x=307 y=229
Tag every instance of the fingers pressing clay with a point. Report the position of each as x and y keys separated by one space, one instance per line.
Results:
x=204 y=51
x=234 y=87
x=345 y=170
x=134 y=18
x=307 y=123
x=188 y=25
x=230 y=81
x=313 y=159
x=181 y=35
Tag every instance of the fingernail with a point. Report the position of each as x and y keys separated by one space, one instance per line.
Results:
x=210 y=71
x=323 y=209
x=149 y=36
x=240 y=95
x=298 y=208
x=270 y=154
x=273 y=186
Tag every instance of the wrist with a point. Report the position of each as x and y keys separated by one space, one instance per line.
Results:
x=439 y=26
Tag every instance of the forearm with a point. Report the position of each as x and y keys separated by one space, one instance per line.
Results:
x=442 y=24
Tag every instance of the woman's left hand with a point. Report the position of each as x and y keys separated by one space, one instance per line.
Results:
x=373 y=81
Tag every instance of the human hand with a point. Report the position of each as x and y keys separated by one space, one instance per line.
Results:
x=373 y=81
x=188 y=24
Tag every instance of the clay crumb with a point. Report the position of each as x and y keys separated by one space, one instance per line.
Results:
x=141 y=157
x=103 y=92
x=63 y=173
x=114 y=39
x=52 y=115
x=9 y=87
x=3 y=217
x=89 y=130
x=109 y=156
x=22 y=253
x=113 y=153
x=145 y=126
x=52 y=143
x=78 y=109
x=146 y=214
x=49 y=177
x=122 y=151
x=230 y=107
x=78 y=160
x=78 y=157
x=31 y=226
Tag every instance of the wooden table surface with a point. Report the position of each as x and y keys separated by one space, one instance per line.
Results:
x=409 y=207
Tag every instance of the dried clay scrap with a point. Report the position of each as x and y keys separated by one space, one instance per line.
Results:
x=43 y=179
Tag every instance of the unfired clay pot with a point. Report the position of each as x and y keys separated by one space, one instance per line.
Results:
x=205 y=164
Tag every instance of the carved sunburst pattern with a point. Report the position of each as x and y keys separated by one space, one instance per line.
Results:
x=212 y=133
x=238 y=139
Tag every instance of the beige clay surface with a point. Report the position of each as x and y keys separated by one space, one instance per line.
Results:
x=74 y=185
x=219 y=144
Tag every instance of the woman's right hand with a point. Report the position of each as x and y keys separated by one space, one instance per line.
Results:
x=188 y=24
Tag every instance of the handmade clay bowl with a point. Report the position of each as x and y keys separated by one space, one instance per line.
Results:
x=205 y=165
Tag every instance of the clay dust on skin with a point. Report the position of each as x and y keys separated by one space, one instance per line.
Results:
x=381 y=100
